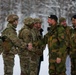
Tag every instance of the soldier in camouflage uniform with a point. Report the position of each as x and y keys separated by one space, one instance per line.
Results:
x=55 y=40
x=37 y=38
x=62 y=23
x=11 y=43
x=25 y=56
x=64 y=38
x=73 y=43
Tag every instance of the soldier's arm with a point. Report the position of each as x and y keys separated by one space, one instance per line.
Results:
x=14 y=39
x=61 y=42
x=26 y=36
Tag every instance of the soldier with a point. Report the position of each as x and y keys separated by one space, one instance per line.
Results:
x=11 y=43
x=65 y=32
x=37 y=38
x=55 y=40
x=62 y=22
x=73 y=43
x=25 y=56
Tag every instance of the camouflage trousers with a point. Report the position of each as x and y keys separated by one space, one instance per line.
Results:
x=29 y=66
x=57 y=68
x=73 y=66
x=24 y=64
x=8 y=63
x=34 y=63
x=33 y=68
x=73 y=63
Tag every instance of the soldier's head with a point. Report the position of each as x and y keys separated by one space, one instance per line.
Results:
x=29 y=22
x=13 y=19
x=52 y=20
x=37 y=23
x=62 y=21
x=73 y=19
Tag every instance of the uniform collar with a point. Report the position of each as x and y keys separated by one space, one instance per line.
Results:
x=9 y=25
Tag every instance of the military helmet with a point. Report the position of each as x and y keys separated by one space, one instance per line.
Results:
x=37 y=20
x=12 y=18
x=28 y=21
x=62 y=19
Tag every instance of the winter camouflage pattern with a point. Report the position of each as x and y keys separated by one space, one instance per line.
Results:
x=11 y=45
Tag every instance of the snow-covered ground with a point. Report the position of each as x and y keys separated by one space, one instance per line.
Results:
x=44 y=65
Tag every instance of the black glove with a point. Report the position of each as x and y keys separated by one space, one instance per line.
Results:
x=48 y=28
x=68 y=50
x=4 y=38
x=41 y=30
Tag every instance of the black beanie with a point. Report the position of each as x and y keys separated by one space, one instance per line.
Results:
x=74 y=16
x=53 y=17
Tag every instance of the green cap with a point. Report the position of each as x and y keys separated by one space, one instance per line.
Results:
x=62 y=19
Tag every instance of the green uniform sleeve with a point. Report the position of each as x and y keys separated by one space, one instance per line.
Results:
x=14 y=39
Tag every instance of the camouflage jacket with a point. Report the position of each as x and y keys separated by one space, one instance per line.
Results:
x=36 y=35
x=37 y=41
x=51 y=39
x=56 y=40
x=26 y=36
x=64 y=40
x=73 y=42
x=13 y=40
x=73 y=37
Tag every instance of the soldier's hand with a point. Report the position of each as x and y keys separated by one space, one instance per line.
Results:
x=38 y=52
x=29 y=46
x=58 y=60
